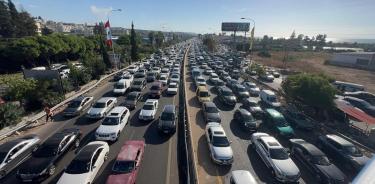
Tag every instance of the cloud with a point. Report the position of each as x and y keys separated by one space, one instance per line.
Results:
x=101 y=13
x=33 y=6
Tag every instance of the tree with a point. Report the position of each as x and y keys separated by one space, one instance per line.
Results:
x=14 y=18
x=210 y=43
x=159 y=39
x=18 y=88
x=320 y=41
x=46 y=31
x=10 y=114
x=6 y=28
x=134 y=46
x=151 y=37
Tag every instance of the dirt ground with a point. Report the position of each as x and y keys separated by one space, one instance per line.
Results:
x=314 y=63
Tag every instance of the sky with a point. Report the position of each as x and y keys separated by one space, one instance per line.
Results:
x=278 y=18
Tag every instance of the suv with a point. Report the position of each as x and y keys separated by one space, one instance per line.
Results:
x=132 y=99
x=247 y=121
x=151 y=76
x=101 y=107
x=199 y=81
x=253 y=107
x=226 y=96
x=276 y=157
x=276 y=120
x=113 y=124
x=218 y=144
x=240 y=91
x=342 y=150
x=167 y=119
x=252 y=88
x=149 y=110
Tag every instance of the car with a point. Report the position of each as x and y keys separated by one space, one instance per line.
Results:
x=361 y=104
x=174 y=78
x=151 y=76
x=208 y=71
x=138 y=85
x=86 y=164
x=132 y=69
x=163 y=79
x=131 y=99
x=172 y=88
x=202 y=94
x=214 y=78
x=343 y=151
x=267 y=77
x=101 y=107
x=176 y=71
x=121 y=87
x=276 y=74
x=141 y=73
x=252 y=88
x=156 y=69
x=168 y=119
x=253 y=73
x=15 y=152
x=199 y=81
x=149 y=110
x=78 y=105
x=276 y=121
x=275 y=157
x=246 y=120
x=128 y=77
x=364 y=95
x=242 y=177
x=128 y=162
x=269 y=99
x=235 y=74
x=240 y=91
x=211 y=112
x=298 y=119
x=316 y=162
x=253 y=107
x=155 y=90
x=219 y=146
x=226 y=96
x=164 y=71
x=231 y=83
x=43 y=161
x=113 y=124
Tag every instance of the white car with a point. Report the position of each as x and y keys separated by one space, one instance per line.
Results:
x=128 y=77
x=252 y=88
x=214 y=78
x=85 y=166
x=199 y=81
x=276 y=157
x=113 y=124
x=101 y=107
x=164 y=71
x=172 y=88
x=133 y=69
x=218 y=143
x=174 y=78
x=163 y=79
x=121 y=87
x=149 y=110
x=156 y=70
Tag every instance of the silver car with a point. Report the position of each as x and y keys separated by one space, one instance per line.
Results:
x=78 y=105
x=101 y=107
x=219 y=145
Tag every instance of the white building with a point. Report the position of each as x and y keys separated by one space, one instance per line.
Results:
x=363 y=60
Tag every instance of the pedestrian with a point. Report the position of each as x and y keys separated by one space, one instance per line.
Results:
x=48 y=112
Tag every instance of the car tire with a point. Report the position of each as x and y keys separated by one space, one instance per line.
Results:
x=2 y=173
x=52 y=170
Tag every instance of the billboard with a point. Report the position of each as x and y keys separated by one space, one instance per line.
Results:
x=235 y=26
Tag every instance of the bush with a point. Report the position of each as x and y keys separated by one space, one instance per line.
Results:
x=10 y=114
x=46 y=93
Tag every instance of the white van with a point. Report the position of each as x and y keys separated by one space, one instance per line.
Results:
x=269 y=98
x=121 y=87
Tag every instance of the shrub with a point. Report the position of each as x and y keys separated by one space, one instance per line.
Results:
x=10 y=114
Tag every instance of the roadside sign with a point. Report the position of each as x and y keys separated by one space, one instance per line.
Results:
x=235 y=26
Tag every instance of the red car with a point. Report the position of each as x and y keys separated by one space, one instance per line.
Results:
x=127 y=164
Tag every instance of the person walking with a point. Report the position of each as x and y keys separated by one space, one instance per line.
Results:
x=48 y=112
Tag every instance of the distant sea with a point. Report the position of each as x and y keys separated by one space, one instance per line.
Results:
x=341 y=40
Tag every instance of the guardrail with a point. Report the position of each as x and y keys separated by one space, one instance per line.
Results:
x=24 y=123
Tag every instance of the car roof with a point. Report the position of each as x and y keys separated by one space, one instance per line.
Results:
x=148 y=101
x=156 y=83
x=313 y=150
x=271 y=142
x=268 y=92
x=79 y=99
x=217 y=129
x=202 y=88
x=244 y=111
x=169 y=108
x=105 y=99
x=224 y=88
x=139 y=79
x=274 y=113
x=129 y=150
x=115 y=112
x=55 y=139
x=209 y=104
x=339 y=140
x=133 y=93
x=86 y=153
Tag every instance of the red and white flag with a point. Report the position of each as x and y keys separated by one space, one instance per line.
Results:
x=107 y=28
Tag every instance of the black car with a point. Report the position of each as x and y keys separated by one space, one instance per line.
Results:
x=246 y=120
x=167 y=119
x=361 y=104
x=235 y=74
x=14 y=152
x=343 y=151
x=240 y=91
x=138 y=85
x=226 y=96
x=132 y=99
x=151 y=76
x=231 y=83
x=42 y=163
x=316 y=162
x=364 y=95
x=210 y=112
x=253 y=107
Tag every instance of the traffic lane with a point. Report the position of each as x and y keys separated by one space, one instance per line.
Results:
x=60 y=122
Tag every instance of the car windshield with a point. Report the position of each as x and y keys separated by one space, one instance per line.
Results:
x=175 y=76
x=353 y=151
x=321 y=160
x=151 y=74
x=111 y=121
x=123 y=166
x=99 y=105
x=278 y=154
x=227 y=93
x=172 y=86
x=163 y=78
x=46 y=151
x=220 y=141
x=120 y=86
x=127 y=77
x=137 y=82
x=200 y=80
x=204 y=94
x=148 y=107
x=131 y=97
x=78 y=167
x=212 y=110
x=167 y=116
x=2 y=156
x=241 y=89
x=272 y=99
x=74 y=104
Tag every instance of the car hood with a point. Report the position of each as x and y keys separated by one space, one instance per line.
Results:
x=120 y=178
x=223 y=152
x=255 y=89
x=213 y=116
x=276 y=104
x=129 y=102
x=74 y=178
x=119 y=90
x=146 y=112
x=256 y=109
x=35 y=165
x=172 y=89
x=107 y=129
x=95 y=110
x=287 y=167
x=332 y=172
x=286 y=130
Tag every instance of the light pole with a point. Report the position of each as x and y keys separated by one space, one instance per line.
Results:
x=251 y=38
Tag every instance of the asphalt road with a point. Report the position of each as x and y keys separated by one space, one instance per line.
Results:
x=159 y=165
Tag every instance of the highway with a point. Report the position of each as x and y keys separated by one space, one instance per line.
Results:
x=159 y=165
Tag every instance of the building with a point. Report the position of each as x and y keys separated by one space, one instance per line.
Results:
x=362 y=60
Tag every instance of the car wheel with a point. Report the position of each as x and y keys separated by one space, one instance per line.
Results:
x=52 y=170
x=2 y=173
x=76 y=143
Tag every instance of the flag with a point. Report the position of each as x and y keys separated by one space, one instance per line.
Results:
x=252 y=39
x=107 y=28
